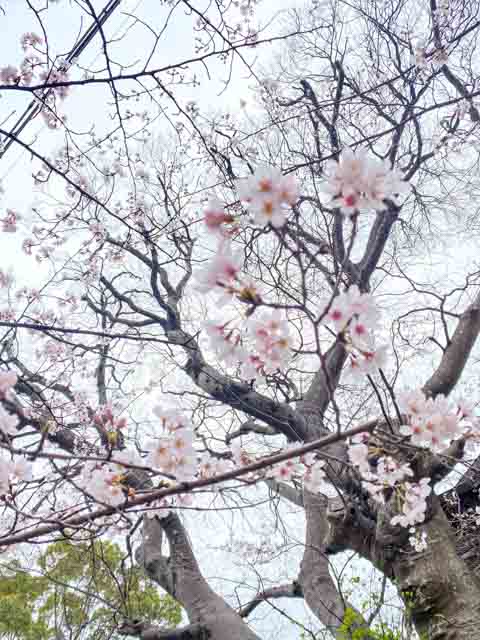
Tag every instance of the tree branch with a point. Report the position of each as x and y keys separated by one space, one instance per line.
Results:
x=457 y=352
x=292 y=590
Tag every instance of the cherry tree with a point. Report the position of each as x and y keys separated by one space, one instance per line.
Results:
x=266 y=309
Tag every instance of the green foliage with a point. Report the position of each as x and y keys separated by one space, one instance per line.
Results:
x=79 y=591
x=352 y=631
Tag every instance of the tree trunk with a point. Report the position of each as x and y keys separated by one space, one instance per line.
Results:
x=441 y=594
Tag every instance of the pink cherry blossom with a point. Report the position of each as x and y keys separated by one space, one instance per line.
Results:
x=8 y=422
x=10 y=75
x=221 y=272
x=29 y=40
x=215 y=217
x=10 y=221
x=8 y=379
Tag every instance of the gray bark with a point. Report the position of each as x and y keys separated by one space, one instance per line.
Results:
x=440 y=592
x=179 y=574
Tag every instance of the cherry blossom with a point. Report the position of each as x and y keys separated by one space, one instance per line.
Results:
x=170 y=419
x=160 y=455
x=287 y=469
x=104 y=417
x=253 y=367
x=173 y=453
x=8 y=422
x=355 y=314
x=272 y=339
x=226 y=342
x=239 y=456
x=14 y=471
x=6 y=279
x=434 y=422
x=414 y=505
x=29 y=40
x=367 y=362
x=53 y=76
x=268 y=194
x=8 y=379
x=390 y=472
x=222 y=271
x=358 y=455
x=357 y=182
x=103 y=484
x=215 y=217
x=10 y=75
x=418 y=540
x=10 y=221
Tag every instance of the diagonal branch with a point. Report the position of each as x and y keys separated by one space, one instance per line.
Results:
x=457 y=352
x=182 y=577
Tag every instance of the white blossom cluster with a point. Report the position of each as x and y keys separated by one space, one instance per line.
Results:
x=390 y=474
x=269 y=195
x=264 y=345
x=434 y=423
x=355 y=315
x=8 y=421
x=357 y=182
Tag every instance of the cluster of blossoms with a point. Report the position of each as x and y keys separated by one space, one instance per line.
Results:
x=414 y=503
x=435 y=422
x=431 y=423
x=103 y=483
x=31 y=43
x=263 y=345
x=304 y=467
x=174 y=454
x=355 y=315
x=390 y=475
x=17 y=470
x=358 y=182
x=105 y=419
x=32 y=65
x=269 y=343
x=269 y=195
x=418 y=540
x=10 y=221
x=8 y=421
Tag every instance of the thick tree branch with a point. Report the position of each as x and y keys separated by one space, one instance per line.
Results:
x=181 y=575
x=457 y=352
x=145 y=631
x=292 y=590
